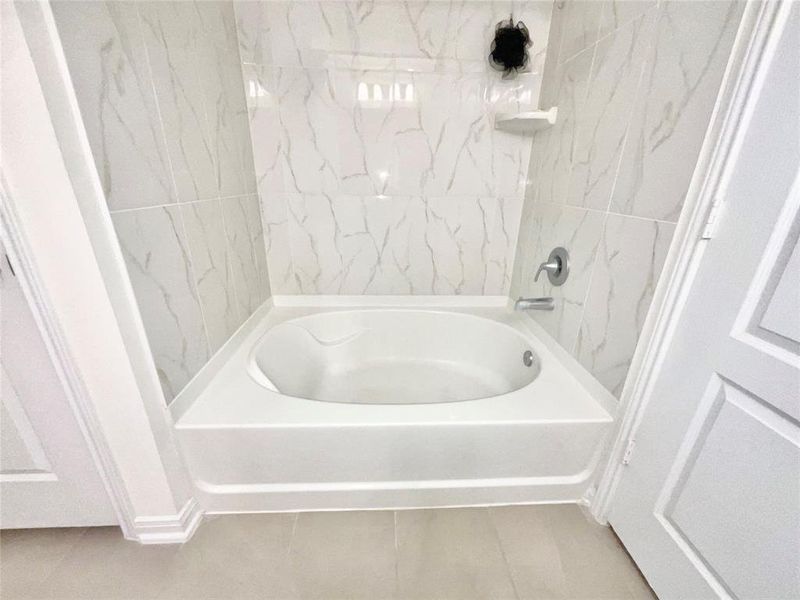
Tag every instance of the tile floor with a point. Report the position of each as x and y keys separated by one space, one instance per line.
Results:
x=507 y=552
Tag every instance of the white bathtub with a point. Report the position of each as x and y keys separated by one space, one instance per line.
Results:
x=392 y=356
x=324 y=408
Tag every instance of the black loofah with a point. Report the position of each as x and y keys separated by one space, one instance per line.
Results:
x=510 y=47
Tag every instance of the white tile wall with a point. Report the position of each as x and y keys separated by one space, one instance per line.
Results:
x=378 y=165
x=159 y=86
x=109 y=69
x=680 y=84
x=156 y=252
x=635 y=83
x=629 y=261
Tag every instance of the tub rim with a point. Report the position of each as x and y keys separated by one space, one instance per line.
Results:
x=196 y=406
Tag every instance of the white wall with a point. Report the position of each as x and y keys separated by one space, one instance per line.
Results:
x=412 y=192
x=160 y=91
x=635 y=83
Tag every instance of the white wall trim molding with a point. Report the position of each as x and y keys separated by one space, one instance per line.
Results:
x=743 y=70
x=61 y=235
x=71 y=381
x=169 y=529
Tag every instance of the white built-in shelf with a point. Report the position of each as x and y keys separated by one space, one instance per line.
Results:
x=526 y=121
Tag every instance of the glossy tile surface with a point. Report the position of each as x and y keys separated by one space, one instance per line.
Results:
x=629 y=261
x=159 y=86
x=579 y=231
x=679 y=88
x=502 y=552
x=110 y=73
x=373 y=135
x=635 y=82
x=156 y=252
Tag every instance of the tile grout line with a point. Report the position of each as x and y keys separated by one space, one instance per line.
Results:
x=187 y=202
x=502 y=552
x=291 y=536
x=193 y=274
x=637 y=96
x=229 y=266
x=396 y=553
x=607 y=212
x=576 y=138
x=156 y=102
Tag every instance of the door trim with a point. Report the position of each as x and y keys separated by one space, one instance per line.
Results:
x=747 y=66
x=120 y=408
x=47 y=324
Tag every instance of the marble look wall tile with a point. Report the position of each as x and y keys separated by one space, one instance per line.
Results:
x=458 y=233
x=294 y=121
x=253 y=26
x=580 y=28
x=617 y=13
x=221 y=79
x=159 y=85
x=559 y=146
x=194 y=56
x=172 y=33
x=681 y=49
x=631 y=256
x=400 y=245
x=549 y=83
x=245 y=233
x=356 y=245
x=156 y=252
x=502 y=245
x=679 y=88
x=603 y=121
x=212 y=270
x=374 y=138
x=417 y=35
x=278 y=250
x=109 y=70
x=526 y=238
x=579 y=231
x=383 y=132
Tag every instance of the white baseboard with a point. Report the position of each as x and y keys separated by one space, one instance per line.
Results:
x=168 y=529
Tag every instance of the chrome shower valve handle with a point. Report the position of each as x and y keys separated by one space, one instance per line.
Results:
x=556 y=266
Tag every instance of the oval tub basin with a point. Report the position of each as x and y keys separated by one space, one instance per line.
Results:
x=392 y=357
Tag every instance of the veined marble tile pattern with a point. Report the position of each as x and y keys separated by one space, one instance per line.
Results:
x=635 y=82
x=378 y=165
x=198 y=271
x=159 y=85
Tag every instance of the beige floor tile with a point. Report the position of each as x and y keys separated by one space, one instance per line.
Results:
x=344 y=555
x=450 y=553
x=526 y=552
x=595 y=567
x=639 y=588
x=234 y=556
x=531 y=549
x=29 y=556
x=103 y=565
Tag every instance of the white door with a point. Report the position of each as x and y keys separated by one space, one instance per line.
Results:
x=47 y=475
x=709 y=505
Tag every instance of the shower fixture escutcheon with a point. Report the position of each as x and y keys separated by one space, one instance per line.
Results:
x=556 y=266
